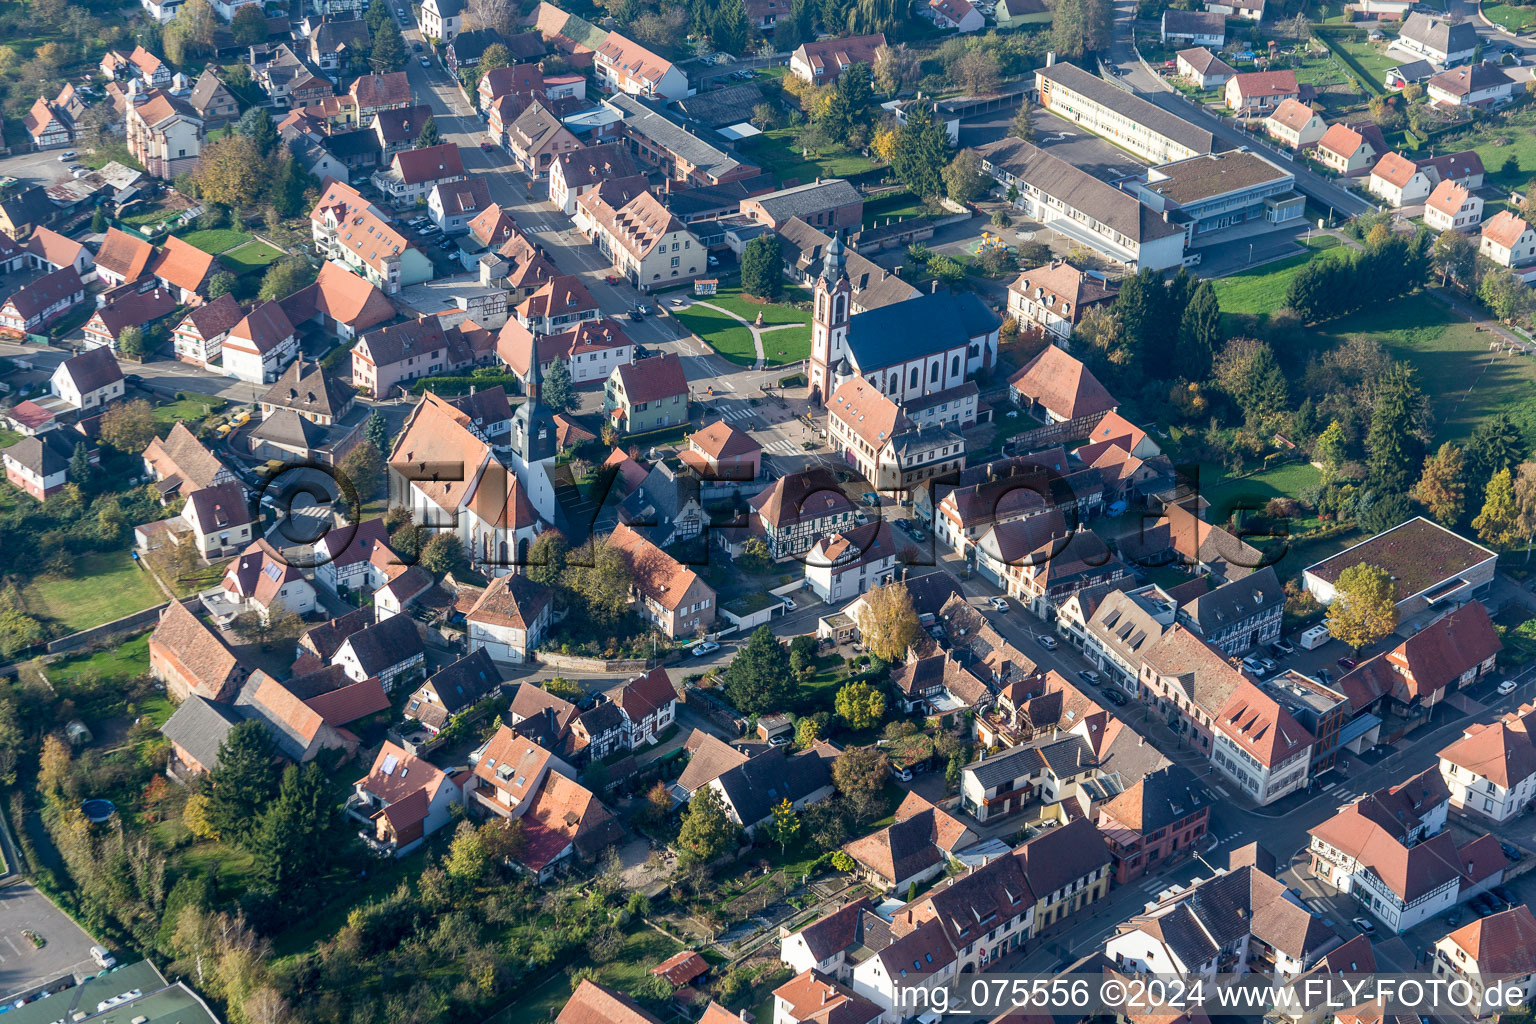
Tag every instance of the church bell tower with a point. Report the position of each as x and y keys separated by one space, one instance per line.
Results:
x=829 y=320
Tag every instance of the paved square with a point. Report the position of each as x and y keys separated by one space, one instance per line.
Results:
x=67 y=948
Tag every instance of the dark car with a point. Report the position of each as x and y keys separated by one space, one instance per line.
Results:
x=1504 y=894
x=1347 y=663
x=415 y=47
x=1482 y=905
x=1512 y=852
x=635 y=314
x=1324 y=676
x=1115 y=697
x=132 y=378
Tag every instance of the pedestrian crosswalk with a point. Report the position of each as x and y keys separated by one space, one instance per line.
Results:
x=783 y=447
x=737 y=415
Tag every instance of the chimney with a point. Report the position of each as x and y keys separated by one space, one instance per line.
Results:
x=935 y=286
x=1050 y=58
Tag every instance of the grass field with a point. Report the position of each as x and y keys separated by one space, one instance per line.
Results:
x=216 y=240
x=8 y=437
x=894 y=206
x=733 y=340
x=643 y=949
x=1512 y=19
x=250 y=257
x=124 y=661
x=1372 y=57
x=1253 y=492
x=1509 y=140
x=776 y=153
x=722 y=333
x=188 y=410
x=1465 y=381
x=1261 y=291
x=106 y=586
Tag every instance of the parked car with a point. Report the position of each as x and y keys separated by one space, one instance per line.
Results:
x=1115 y=697
x=1365 y=924
x=1270 y=665
x=789 y=604
x=1046 y=641
x=917 y=532
x=1347 y=663
x=1506 y=688
x=901 y=774
x=415 y=47
x=1255 y=666
x=1324 y=676
x=998 y=603
x=1505 y=894
x=66 y=156
x=424 y=62
x=1454 y=917
x=1481 y=905
x=1283 y=647
x=610 y=279
x=707 y=647
x=635 y=314
x=1511 y=851
x=1089 y=676
x=104 y=960
x=643 y=309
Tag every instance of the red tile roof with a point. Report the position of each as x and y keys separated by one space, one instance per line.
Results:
x=181 y=265
x=1063 y=385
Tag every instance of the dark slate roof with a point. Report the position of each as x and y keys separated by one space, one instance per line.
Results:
x=287 y=427
x=1438 y=35
x=310 y=390
x=1130 y=106
x=809 y=199
x=386 y=644
x=916 y=328
x=1065 y=756
x=44 y=454
x=466 y=681
x=199 y=726
x=771 y=777
x=671 y=137
x=1236 y=601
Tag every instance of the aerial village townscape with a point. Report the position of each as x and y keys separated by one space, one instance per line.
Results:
x=763 y=511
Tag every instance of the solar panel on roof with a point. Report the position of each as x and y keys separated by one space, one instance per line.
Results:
x=272 y=572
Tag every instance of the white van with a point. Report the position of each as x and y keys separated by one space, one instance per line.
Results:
x=1314 y=637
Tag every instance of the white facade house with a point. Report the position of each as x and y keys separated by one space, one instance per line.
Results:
x=1508 y=240
x=1495 y=956
x=1491 y=769
x=441 y=19
x=845 y=565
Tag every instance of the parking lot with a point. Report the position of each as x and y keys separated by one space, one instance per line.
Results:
x=66 y=947
x=33 y=167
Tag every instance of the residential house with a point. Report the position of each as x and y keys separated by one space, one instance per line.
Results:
x=1041 y=770
x=668 y=593
x=89 y=381
x=1068 y=870
x=1495 y=956
x=510 y=618
x=1403 y=868
x=917 y=847
x=1053 y=298
x=1057 y=388
x=936 y=684
x=347 y=228
x=623 y=65
x=958 y=15
x=191 y=659
x=1246 y=10
x=335 y=45
x=1437 y=40
x=1044 y=484
x=720 y=453
x=1258 y=91
x=374 y=93
x=453 y=690
x=1400 y=181
x=641 y=237
x=593 y=1002
x=803 y=247
x=984 y=914
x=262 y=581
x=212 y=101
x=260 y=347
x=341 y=303
x=182 y=270
x=393 y=356
x=441 y=20
x=463 y=54
x=412 y=174
x=49 y=125
x=536 y=138
x=404 y=799
x=812 y=998
x=122 y=258
x=287 y=79
x=452 y=206
x=127 y=308
x=648 y=704
x=1350 y=149
x=390 y=651
x=665 y=508
x=25 y=209
x=1159 y=819
x=1296 y=125
x=874 y=435
x=798 y=509
x=1478 y=86
x=591 y=349
x=557 y=305
x=1508 y=240
x=301 y=729
x=647 y=394
x=1238 y=616
x=844 y=565
x=49 y=250
x=1491 y=769
x=39 y=465
x=217 y=521
x=827 y=945
x=149 y=70
x=822 y=61
x=307 y=416
x=1240 y=920
x=34 y=306
x=1181 y=537
x=165 y=135
x=1260 y=746
x=574 y=173
x=180 y=463
x=1190 y=682
x=1203 y=68
x=751 y=790
x=1194 y=28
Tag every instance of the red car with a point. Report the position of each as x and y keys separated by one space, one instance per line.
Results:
x=610 y=279
x=485 y=145
x=1347 y=663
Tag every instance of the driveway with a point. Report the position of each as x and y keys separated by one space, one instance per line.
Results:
x=66 y=947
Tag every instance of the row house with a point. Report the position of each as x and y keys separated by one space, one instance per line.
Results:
x=574 y=173
x=259 y=348
x=537 y=138
x=1048 y=486
x=590 y=350
x=1040 y=568
x=844 y=565
x=1153 y=823
x=642 y=238
x=624 y=66
x=1260 y=746
x=130 y=309
x=1494 y=956
x=876 y=437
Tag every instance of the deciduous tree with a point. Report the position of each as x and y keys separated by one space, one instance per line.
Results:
x=1442 y=487
x=129 y=426
x=546 y=559
x=784 y=826
x=249 y=25
x=283 y=278
x=895 y=68
x=707 y=833
x=1364 y=606
x=964 y=180
x=1498 y=522
x=231 y=171
x=860 y=775
x=888 y=622
x=1525 y=504
x=443 y=554
x=859 y=704
x=977 y=73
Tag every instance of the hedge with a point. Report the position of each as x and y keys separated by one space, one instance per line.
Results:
x=461 y=385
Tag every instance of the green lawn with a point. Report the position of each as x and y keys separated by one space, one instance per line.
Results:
x=733 y=340
x=188 y=410
x=722 y=333
x=776 y=153
x=124 y=661
x=1512 y=19
x=8 y=437
x=216 y=240
x=893 y=206
x=148 y=219
x=1466 y=382
x=1372 y=58
x=787 y=346
x=1261 y=291
x=1511 y=140
x=106 y=586
x=250 y=257
x=1253 y=492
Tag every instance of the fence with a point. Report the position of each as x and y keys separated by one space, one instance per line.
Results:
x=579 y=664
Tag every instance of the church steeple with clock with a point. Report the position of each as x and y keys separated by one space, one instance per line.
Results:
x=832 y=309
